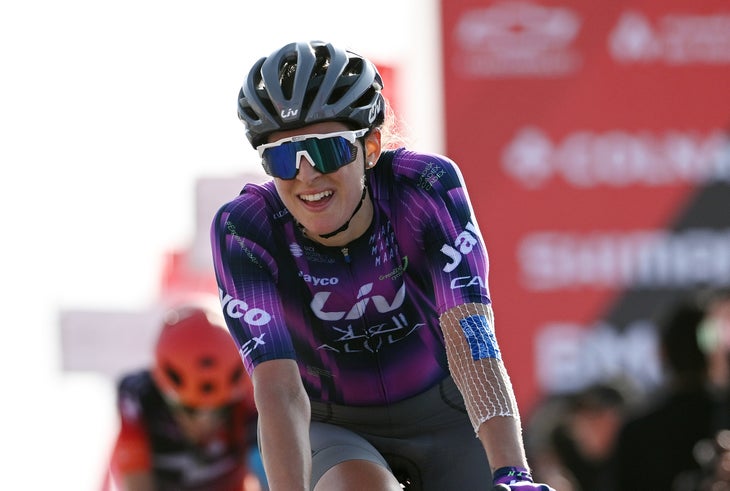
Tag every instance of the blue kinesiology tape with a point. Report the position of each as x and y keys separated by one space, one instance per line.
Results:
x=480 y=336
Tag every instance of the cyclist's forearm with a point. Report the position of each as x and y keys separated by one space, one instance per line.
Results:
x=286 y=453
x=284 y=414
x=501 y=437
x=484 y=382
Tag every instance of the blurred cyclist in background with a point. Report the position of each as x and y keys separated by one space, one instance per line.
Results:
x=355 y=283
x=189 y=422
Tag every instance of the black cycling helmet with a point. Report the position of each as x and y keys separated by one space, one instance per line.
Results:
x=309 y=82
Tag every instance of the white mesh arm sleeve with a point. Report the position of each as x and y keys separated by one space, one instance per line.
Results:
x=476 y=364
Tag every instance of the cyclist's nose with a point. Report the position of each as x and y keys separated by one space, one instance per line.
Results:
x=307 y=172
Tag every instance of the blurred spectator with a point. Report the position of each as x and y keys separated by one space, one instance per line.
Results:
x=188 y=422
x=578 y=437
x=714 y=337
x=541 y=452
x=714 y=341
x=656 y=448
x=585 y=442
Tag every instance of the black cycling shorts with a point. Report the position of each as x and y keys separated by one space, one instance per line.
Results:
x=426 y=440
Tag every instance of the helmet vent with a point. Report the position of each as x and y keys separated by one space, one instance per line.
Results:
x=348 y=77
x=366 y=99
x=250 y=113
x=236 y=375
x=206 y=362
x=173 y=375
x=207 y=387
x=322 y=60
x=286 y=78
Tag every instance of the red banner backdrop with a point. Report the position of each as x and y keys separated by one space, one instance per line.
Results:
x=593 y=138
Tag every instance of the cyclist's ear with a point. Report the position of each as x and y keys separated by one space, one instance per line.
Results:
x=372 y=145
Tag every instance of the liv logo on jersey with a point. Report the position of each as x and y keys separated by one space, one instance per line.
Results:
x=380 y=303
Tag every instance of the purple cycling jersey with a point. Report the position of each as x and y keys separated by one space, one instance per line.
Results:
x=361 y=320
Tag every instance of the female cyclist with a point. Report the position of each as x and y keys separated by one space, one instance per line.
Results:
x=355 y=285
x=189 y=422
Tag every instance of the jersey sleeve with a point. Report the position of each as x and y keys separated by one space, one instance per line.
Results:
x=244 y=252
x=455 y=251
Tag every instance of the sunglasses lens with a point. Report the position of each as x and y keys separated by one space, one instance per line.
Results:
x=331 y=153
x=281 y=161
x=328 y=155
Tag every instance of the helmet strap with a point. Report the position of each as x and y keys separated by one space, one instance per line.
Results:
x=347 y=223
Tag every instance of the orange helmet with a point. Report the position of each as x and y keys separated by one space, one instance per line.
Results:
x=196 y=361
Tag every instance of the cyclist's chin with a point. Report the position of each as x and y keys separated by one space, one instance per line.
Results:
x=319 y=228
x=320 y=224
x=199 y=431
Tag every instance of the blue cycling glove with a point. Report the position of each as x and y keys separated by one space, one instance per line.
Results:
x=516 y=479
